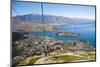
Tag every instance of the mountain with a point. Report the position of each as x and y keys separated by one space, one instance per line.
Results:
x=35 y=22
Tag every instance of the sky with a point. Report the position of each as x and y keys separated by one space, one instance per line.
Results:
x=75 y=11
x=70 y=10
x=23 y=8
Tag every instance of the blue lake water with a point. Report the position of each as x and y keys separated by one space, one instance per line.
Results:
x=86 y=31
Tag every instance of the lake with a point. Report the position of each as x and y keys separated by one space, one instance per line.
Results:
x=86 y=31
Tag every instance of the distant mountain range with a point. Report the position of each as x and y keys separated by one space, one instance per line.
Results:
x=35 y=22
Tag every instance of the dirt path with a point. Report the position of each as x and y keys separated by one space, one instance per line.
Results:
x=43 y=60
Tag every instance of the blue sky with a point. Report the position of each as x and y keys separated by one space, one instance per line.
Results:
x=23 y=8
x=70 y=10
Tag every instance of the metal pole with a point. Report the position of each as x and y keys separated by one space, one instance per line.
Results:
x=43 y=19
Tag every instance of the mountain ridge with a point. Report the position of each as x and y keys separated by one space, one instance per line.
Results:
x=35 y=21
